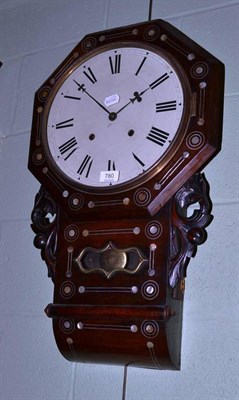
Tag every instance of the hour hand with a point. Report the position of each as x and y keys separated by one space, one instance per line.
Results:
x=137 y=97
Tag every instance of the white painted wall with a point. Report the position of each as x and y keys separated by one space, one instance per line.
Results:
x=35 y=37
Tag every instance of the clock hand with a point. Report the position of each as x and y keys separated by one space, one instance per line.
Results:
x=137 y=96
x=82 y=87
x=112 y=115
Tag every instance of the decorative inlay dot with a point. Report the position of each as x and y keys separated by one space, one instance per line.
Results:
x=39 y=110
x=71 y=233
x=67 y=289
x=89 y=43
x=44 y=93
x=142 y=197
x=76 y=201
x=153 y=230
x=126 y=201
x=199 y=70
x=67 y=325
x=202 y=85
x=65 y=193
x=150 y=290
x=153 y=247
x=80 y=325
x=150 y=328
x=191 y=56
x=151 y=33
x=81 y=289
x=195 y=140
x=134 y=328
x=38 y=157
x=186 y=154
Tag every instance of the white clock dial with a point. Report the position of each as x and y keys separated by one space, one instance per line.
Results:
x=115 y=116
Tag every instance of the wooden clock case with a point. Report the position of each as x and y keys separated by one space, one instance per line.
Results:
x=118 y=257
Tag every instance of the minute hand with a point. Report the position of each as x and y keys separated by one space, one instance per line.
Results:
x=137 y=96
x=82 y=87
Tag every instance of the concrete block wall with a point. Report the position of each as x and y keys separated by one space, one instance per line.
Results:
x=36 y=35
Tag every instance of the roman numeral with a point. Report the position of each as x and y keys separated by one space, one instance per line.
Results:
x=111 y=165
x=166 y=106
x=138 y=160
x=70 y=144
x=115 y=64
x=90 y=75
x=158 y=81
x=72 y=97
x=64 y=124
x=157 y=136
x=85 y=166
x=141 y=65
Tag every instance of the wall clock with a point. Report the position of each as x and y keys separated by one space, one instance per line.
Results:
x=120 y=133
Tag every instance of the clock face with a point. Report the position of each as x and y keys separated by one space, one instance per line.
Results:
x=114 y=117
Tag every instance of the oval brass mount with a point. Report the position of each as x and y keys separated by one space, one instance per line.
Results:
x=110 y=260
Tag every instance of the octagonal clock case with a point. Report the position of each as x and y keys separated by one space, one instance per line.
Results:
x=120 y=133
